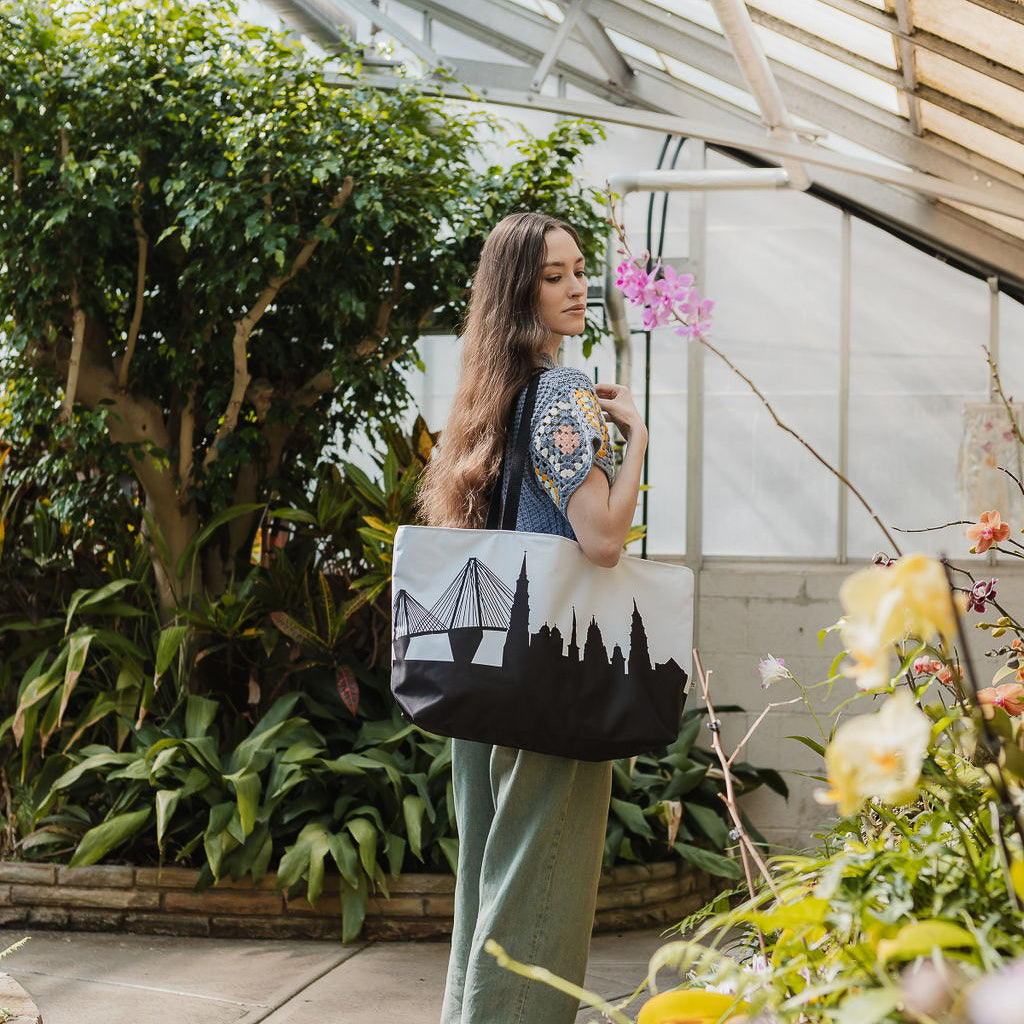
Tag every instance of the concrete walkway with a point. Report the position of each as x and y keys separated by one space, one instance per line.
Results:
x=96 y=978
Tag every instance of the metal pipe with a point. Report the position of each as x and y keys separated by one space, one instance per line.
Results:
x=843 y=398
x=739 y=30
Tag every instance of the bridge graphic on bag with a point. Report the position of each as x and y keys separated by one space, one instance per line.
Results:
x=474 y=601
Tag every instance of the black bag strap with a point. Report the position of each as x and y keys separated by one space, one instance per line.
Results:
x=507 y=510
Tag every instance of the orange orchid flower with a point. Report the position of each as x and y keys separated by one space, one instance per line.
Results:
x=988 y=530
x=1008 y=696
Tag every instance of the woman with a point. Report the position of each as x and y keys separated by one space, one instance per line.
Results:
x=531 y=826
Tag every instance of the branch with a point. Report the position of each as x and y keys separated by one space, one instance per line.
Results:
x=75 y=362
x=186 y=439
x=1002 y=394
x=747 y=848
x=244 y=326
x=760 y=718
x=380 y=329
x=789 y=430
x=140 y=286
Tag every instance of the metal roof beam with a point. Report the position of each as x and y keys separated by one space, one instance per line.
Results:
x=397 y=32
x=907 y=61
x=558 y=40
x=619 y=72
x=318 y=19
x=525 y=35
x=739 y=29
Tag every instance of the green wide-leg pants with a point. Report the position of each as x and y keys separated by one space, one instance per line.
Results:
x=531 y=836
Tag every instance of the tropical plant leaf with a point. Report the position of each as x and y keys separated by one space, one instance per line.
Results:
x=167 y=646
x=100 y=840
x=712 y=863
x=348 y=689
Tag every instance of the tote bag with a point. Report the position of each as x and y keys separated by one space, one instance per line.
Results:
x=518 y=639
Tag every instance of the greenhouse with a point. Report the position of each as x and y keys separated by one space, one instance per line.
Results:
x=240 y=247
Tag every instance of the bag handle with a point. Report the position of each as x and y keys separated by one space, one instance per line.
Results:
x=507 y=510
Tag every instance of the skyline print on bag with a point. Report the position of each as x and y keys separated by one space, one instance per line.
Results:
x=477 y=603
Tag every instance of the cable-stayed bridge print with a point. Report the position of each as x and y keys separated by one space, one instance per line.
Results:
x=475 y=601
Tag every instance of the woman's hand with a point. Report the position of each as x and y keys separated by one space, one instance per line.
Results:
x=618 y=406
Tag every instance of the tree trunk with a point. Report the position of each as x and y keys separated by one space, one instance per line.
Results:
x=136 y=421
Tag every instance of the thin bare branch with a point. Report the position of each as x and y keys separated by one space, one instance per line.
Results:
x=998 y=384
x=245 y=325
x=760 y=718
x=1015 y=479
x=748 y=851
x=789 y=430
x=142 y=241
x=929 y=529
x=75 y=362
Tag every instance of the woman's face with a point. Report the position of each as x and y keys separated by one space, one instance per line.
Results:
x=563 y=287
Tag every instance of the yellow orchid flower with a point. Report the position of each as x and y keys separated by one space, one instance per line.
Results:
x=878 y=755
x=690 y=1006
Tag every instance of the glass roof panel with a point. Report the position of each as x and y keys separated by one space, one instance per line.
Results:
x=625 y=44
x=971 y=86
x=972 y=26
x=550 y=10
x=698 y=11
x=828 y=23
x=828 y=69
x=972 y=136
x=708 y=83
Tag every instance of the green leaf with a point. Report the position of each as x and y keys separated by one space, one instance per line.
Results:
x=199 y=714
x=78 y=650
x=869 y=1007
x=167 y=647
x=353 y=909
x=247 y=790
x=82 y=599
x=413 y=809
x=166 y=803
x=632 y=817
x=920 y=937
x=365 y=834
x=100 y=840
x=709 y=823
x=808 y=742
x=226 y=516
x=712 y=863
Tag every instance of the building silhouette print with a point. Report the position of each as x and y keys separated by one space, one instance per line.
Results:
x=477 y=600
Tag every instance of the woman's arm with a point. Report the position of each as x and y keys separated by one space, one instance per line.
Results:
x=601 y=515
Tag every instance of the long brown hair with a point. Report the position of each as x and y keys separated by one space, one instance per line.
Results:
x=502 y=342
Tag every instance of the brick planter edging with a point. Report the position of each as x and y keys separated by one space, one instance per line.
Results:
x=163 y=902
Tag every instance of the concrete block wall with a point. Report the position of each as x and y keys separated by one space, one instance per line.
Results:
x=747 y=610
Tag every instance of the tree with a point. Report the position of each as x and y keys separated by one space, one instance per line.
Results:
x=217 y=253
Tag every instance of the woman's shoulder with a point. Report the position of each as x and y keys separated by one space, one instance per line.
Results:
x=565 y=379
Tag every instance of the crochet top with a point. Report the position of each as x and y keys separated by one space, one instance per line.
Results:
x=568 y=438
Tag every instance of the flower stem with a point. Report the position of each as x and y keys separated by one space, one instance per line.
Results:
x=542 y=974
